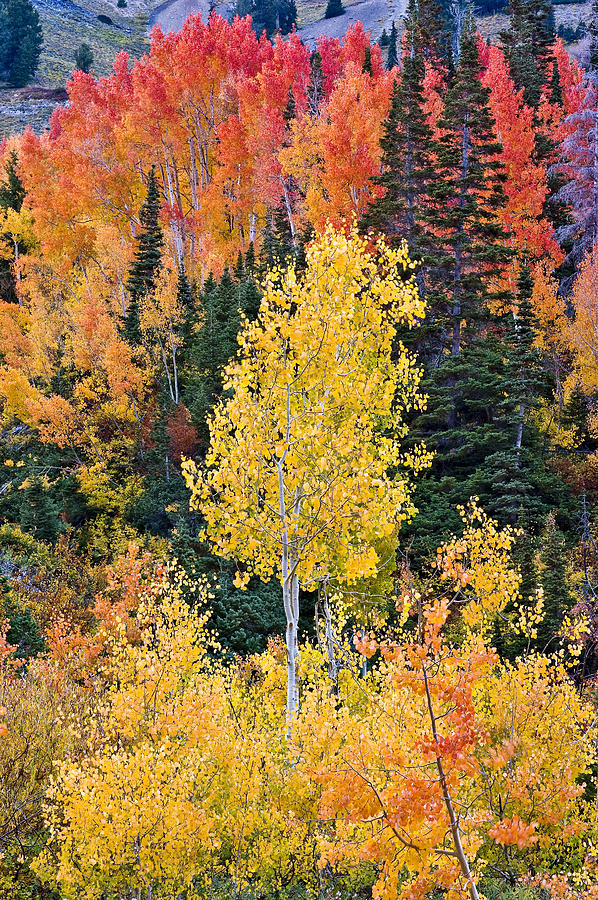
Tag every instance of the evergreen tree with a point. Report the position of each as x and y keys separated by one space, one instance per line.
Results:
x=334 y=8
x=528 y=45
x=407 y=165
x=214 y=343
x=12 y=191
x=465 y=256
x=21 y=41
x=556 y=90
x=392 y=59
x=466 y=195
x=250 y=260
x=84 y=57
x=367 y=61
x=12 y=194
x=271 y=16
x=435 y=21
x=524 y=370
x=148 y=257
x=315 y=92
x=290 y=110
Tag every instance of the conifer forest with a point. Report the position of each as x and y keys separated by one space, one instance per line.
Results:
x=299 y=464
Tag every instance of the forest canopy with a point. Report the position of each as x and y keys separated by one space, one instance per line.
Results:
x=298 y=387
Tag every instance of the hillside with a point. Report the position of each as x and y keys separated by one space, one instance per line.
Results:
x=67 y=24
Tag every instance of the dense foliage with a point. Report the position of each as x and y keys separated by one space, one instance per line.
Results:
x=299 y=454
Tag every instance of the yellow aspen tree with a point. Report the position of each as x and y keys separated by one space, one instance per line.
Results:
x=458 y=765
x=307 y=468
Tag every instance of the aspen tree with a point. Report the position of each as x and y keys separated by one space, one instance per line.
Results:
x=307 y=468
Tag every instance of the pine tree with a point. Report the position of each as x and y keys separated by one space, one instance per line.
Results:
x=290 y=110
x=250 y=260
x=466 y=194
x=556 y=90
x=315 y=92
x=148 y=257
x=186 y=300
x=84 y=57
x=524 y=370
x=213 y=344
x=514 y=478
x=435 y=29
x=464 y=419
x=12 y=191
x=271 y=16
x=407 y=163
x=12 y=194
x=367 y=61
x=21 y=41
x=392 y=58
x=528 y=45
x=334 y=8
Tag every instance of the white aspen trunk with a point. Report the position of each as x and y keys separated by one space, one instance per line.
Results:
x=167 y=370
x=293 y=638
x=175 y=373
x=287 y=203
x=252 y=224
x=16 y=269
x=167 y=183
x=521 y=417
x=289 y=577
x=194 y=180
x=123 y=297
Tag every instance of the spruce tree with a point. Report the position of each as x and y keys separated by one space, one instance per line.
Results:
x=465 y=257
x=392 y=58
x=366 y=68
x=407 y=164
x=524 y=370
x=436 y=23
x=21 y=41
x=528 y=45
x=147 y=259
x=214 y=343
x=84 y=57
x=334 y=8
x=466 y=195
x=315 y=91
x=12 y=191
x=12 y=194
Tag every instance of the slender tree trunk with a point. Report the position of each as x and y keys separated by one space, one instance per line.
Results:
x=287 y=203
x=290 y=599
x=167 y=370
x=448 y=802
x=175 y=371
